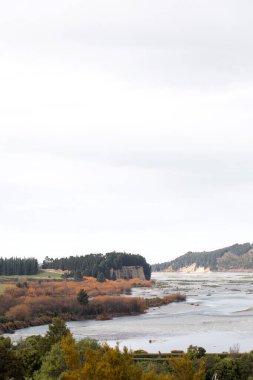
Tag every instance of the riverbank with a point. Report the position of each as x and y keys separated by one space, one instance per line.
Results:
x=122 y=306
x=222 y=318
x=37 y=303
x=106 y=308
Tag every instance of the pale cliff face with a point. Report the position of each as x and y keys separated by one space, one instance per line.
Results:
x=194 y=268
x=128 y=272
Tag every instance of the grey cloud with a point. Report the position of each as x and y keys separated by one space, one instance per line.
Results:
x=126 y=123
x=183 y=43
x=205 y=165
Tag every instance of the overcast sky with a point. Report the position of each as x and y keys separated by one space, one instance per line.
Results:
x=125 y=125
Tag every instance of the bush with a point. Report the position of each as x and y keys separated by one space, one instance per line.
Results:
x=19 y=312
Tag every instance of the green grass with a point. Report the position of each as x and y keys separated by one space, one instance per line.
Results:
x=2 y=286
x=47 y=275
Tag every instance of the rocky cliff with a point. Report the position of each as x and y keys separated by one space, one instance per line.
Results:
x=127 y=272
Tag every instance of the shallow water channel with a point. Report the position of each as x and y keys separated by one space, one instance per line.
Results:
x=217 y=315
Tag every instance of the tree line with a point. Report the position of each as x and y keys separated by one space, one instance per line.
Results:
x=18 y=266
x=96 y=264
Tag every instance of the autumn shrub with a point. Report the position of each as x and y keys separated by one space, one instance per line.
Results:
x=53 y=305
x=158 y=301
x=118 y=305
x=15 y=292
x=6 y=302
x=19 y=312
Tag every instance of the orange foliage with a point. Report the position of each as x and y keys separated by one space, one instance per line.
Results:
x=19 y=312
x=71 y=288
x=116 y=305
x=60 y=298
x=7 y=301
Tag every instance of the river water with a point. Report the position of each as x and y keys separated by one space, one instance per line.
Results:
x=217 y=315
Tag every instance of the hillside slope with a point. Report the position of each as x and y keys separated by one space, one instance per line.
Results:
x=233 y=258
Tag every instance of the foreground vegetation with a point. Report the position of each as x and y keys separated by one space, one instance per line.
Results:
x=35 y=303
x=57 y=356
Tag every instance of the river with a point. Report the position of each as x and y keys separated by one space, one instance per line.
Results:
x=217 y=315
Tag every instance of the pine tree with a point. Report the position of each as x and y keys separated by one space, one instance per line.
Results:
x=82 y=297
x=56 y=331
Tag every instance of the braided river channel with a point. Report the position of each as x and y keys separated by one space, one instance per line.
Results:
x=217 y=315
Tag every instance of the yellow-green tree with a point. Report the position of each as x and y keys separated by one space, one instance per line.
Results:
x=109 y=364
x=151 y=375
x=185 y=369
x=112 y=364
x=71 y=355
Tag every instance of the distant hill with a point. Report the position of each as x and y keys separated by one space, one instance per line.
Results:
x=234 y=258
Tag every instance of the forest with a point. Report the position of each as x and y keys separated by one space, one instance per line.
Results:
x=18 y=266
x=98 y=264
x=58 y=356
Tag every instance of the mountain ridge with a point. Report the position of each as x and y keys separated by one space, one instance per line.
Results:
x=235 y=257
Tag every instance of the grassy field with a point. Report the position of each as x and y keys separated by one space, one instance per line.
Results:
x=41 y=274
x=2 y=286
x=45 y=274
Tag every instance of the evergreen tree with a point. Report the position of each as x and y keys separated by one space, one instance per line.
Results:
x=18 y=266
x=93 y=264
x=10 y=366
x=56 y=331
x=53 y=365
x=78 y=276
x=82 y=297
x=100 y=277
